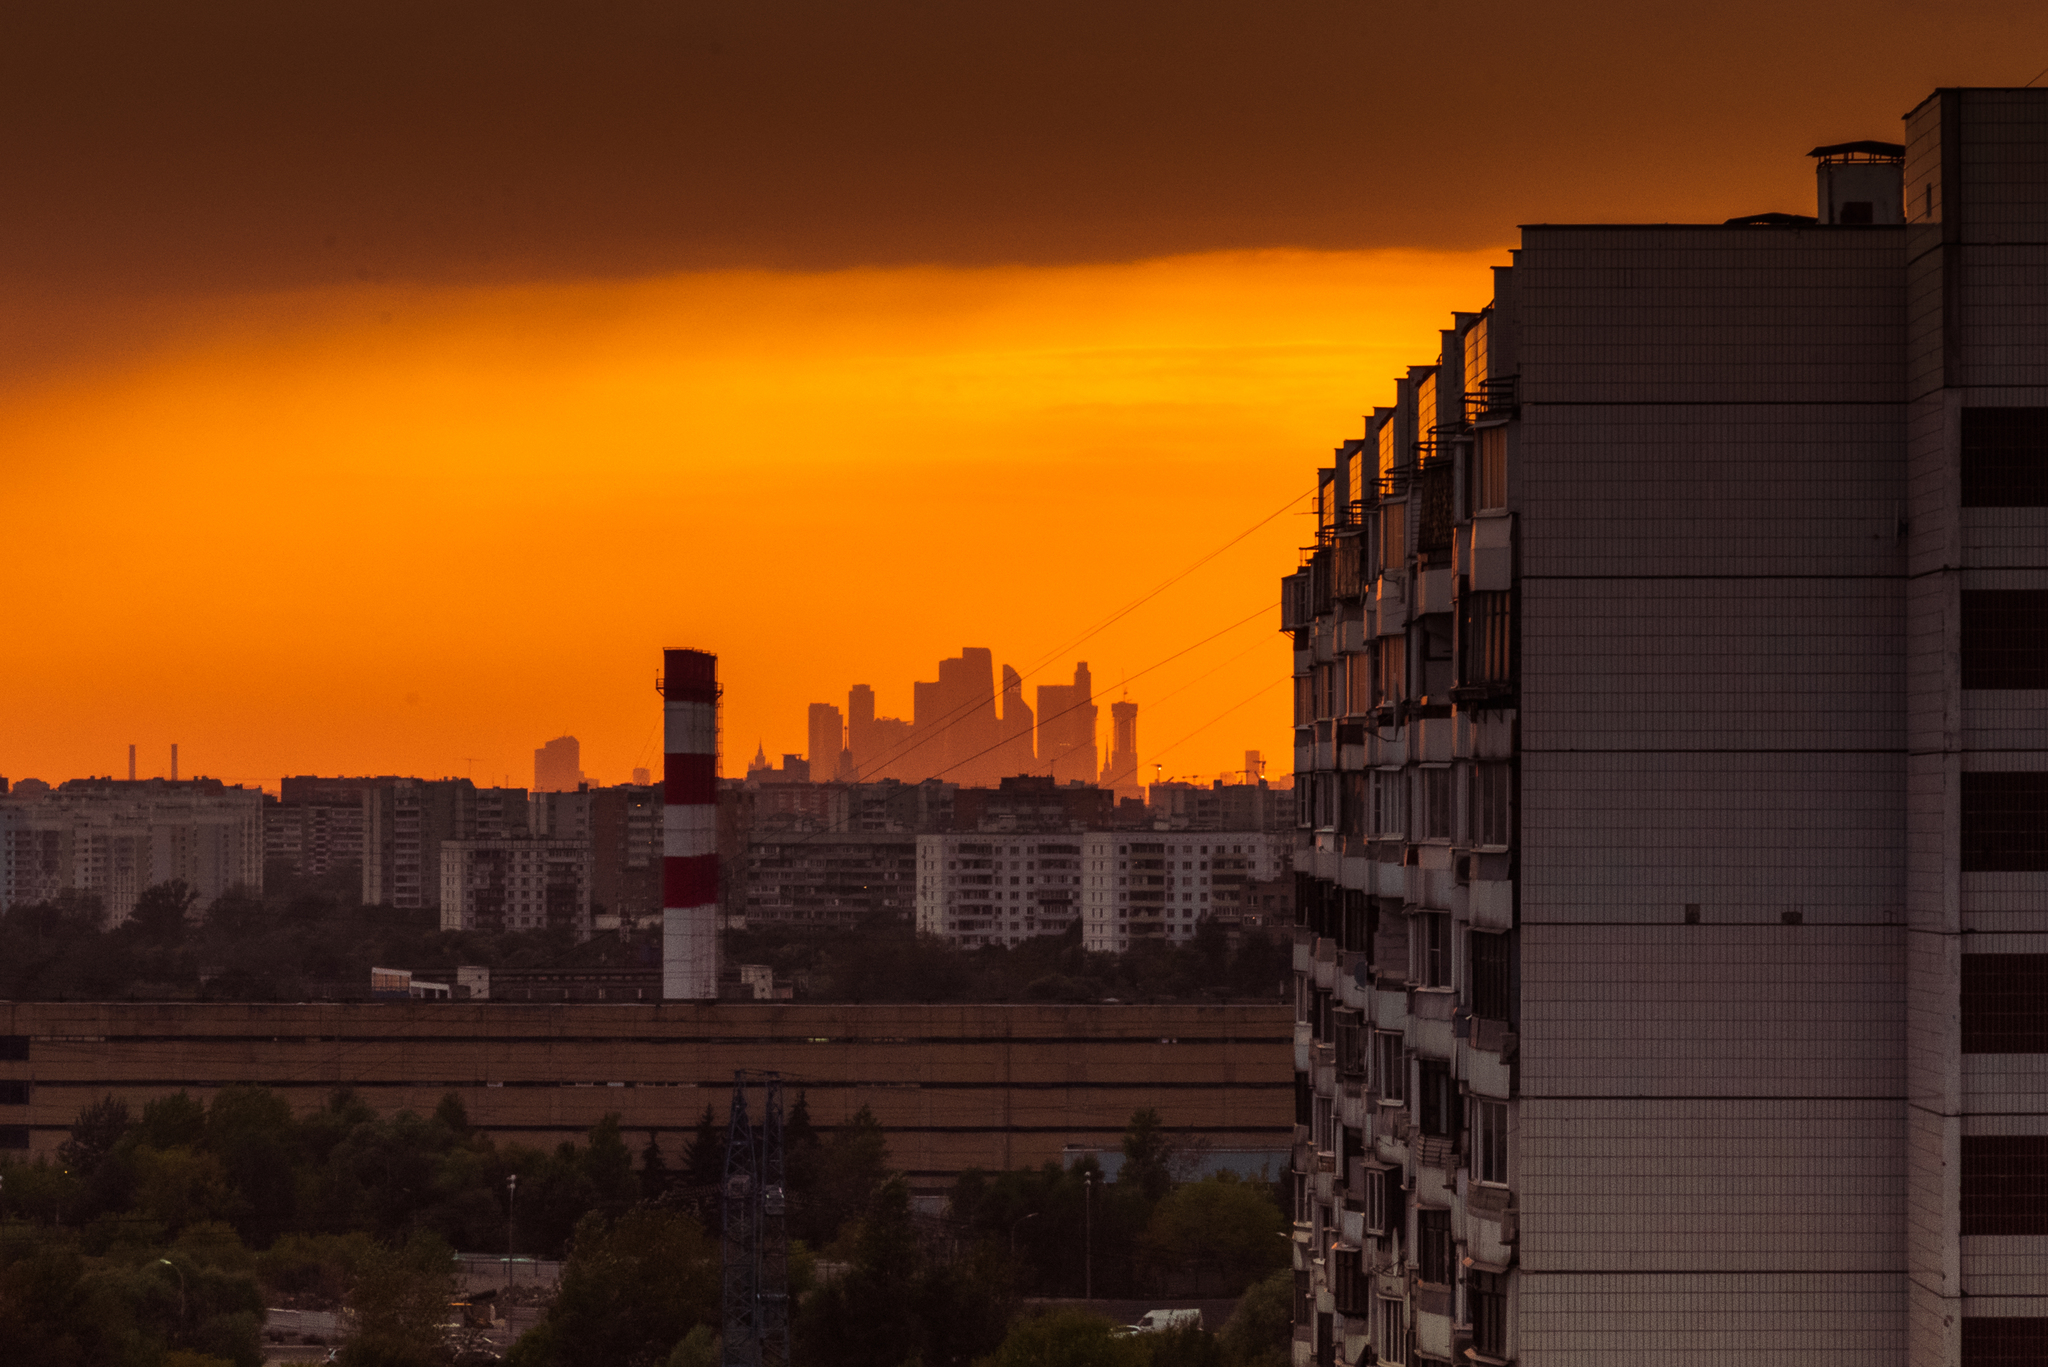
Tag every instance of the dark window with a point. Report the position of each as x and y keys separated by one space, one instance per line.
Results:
x=1390 y=1067
x=1488 y=1294
x=1434 y=1261
x=2005 y=1184
x=13 y=1136
x=1351 y=1044
x=13 y=1048
x=1489 y=976
x=2005 y=638
x=1855 y=211
x=1326 y=1343
x=13 y=1093
x=2005 y=823
x=1304 y=1299
x=2005 y=1003
x=1304 y=1100
x=2005 y=457
x=1435 y=485
x=1484 y=653
x=1348 y=1282
x=2004 y=1342
x=1438 y=1099
x=1433 y=944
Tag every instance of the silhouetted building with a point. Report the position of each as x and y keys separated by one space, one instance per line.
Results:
x=622 y=826
x=1221 y=807
x=828 y=756
x=558 y=766
x=1017 y=753
x=1029 y=802
x=406 y=821
x=1066 y=729
x=1670 y=699
x=1120 y=773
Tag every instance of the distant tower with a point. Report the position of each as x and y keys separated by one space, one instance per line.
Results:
x=174 y=761
x=689 y=871
x=558 y=766
x=1121 y=773
x=131 y=763
x=1018 y=755
x=828 y=740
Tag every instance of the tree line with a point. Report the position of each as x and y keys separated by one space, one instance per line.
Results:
x=308 y=938
x=156 y=1240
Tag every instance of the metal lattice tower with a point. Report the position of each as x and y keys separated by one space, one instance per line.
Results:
x=742 y=1236
x=756 y=1234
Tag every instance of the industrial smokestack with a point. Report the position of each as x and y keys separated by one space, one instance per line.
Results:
x=689 y=873
x=131 y=762
x=174 y=761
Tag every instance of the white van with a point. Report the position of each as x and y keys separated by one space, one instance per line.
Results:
x=1152 y=1321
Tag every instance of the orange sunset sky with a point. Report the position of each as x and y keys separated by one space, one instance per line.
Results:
x=376 y=397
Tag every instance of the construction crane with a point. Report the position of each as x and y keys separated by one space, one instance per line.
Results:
x=755 y=1239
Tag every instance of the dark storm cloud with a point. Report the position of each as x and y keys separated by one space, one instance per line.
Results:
x=225 y=144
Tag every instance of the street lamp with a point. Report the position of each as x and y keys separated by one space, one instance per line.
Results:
x=181 y=1286
x=1013 y=1232
x=1088 y=1235
x=511 y=1206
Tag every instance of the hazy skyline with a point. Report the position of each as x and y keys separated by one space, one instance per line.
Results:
x=382 y=390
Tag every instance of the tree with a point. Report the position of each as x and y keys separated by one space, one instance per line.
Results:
x=704 y=1155
x=1261 y=1330
x=1147 y=1155
x=1221 y=1231
x=160 y=912
x=609 y=1165
x=94 y=1134
x=630 y=1292
x=654 y=1176
x=397 y=1304
x=852 y=1166
x=1069 y=1338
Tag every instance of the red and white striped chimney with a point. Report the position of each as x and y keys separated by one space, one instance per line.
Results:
x=689 y=873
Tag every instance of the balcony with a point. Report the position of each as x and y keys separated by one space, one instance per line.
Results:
x=1496 y=400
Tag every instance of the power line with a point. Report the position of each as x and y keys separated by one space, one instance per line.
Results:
x=947 y=722
x=1224 y=713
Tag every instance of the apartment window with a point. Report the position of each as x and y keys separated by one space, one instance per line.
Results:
x=2005 y=638
x=1484 y=655
x=1304 y=700
x=13 y=1093
x=1304 y=1298
x=2005 y=822
x=1487 y=1294
x=2005 y=1184
x=1490 y=1141
x=1490 y=470
x=13 y=1136
x=1487 y=810
x=1376 y=1203
x=1304 y=1110
x=1489 y=976
x=1389 y=802
x=1393 y=535
x=1438 y=1099
x=1299 y=1182
x=1389 y=1334
x=2005 y=1003
x=1435 y=1259
x=1348 y=1281
x=1325 y=1129
x=1390 y=1066
x=1329 y=685
x=2005 y=457
x=1432 y=948
x=1435 y=787
x=1351 y=1044
x=1358 y=684
x=1390 y=656
x=13 y=1048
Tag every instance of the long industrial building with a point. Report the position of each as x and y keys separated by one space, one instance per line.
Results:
x=954 y=1087
x=1672 y=719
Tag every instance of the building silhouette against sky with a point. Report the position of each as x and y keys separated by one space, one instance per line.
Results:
x=1671 y=699
x=558 y=766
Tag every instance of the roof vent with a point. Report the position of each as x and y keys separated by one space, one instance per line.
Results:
x=1861 y=183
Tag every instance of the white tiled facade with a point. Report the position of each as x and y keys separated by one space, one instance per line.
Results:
x=1672 y=742
x=998 y=889
x=515 y=885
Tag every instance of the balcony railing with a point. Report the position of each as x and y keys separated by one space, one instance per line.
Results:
x=1497 y=397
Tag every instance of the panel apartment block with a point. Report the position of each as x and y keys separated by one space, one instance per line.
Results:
x=1672 y=760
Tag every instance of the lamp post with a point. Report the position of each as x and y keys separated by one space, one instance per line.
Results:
x=181 y=1287
x=1088 y=1236
x=511 y=1207
x=1013 y=1232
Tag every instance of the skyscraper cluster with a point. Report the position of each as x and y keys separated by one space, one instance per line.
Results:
x=964 y=730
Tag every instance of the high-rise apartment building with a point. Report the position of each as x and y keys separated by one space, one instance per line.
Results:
x=998 y=890
x=522 y=883
x=828 y=754
x=1671 y=700
x=406 y=821
x=112 y=839
x=1153 y=885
